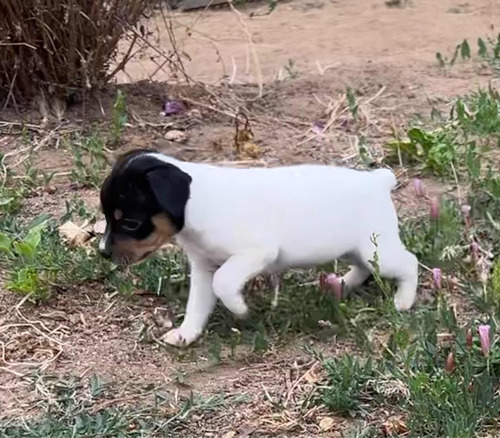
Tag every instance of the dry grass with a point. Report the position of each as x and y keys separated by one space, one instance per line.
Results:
x=57 y=49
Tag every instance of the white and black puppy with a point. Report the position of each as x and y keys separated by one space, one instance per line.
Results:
x=234 y=224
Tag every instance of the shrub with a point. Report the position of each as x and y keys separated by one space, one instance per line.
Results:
x=59 y=48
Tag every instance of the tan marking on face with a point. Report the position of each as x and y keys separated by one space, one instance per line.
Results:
x=133 y=251
x=118 y=214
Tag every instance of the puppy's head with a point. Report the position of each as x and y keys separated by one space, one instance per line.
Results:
x=143 y=200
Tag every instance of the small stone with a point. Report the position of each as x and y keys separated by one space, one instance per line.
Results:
x=176 y=135
x=326 y=423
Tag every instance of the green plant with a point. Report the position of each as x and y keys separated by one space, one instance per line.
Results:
x=90 y=160
x=347 y=383
x=437 y=243
x=434 y=151
x=25 y=278
x=479 y=114
x=119 y=118
x=291 y=69
x=73 y=408
x=439 y=388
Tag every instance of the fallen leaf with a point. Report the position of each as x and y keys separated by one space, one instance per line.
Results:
x=326 y=423
x=74 y=234
x=251 y=150
x=395 y=425
x=229 y=434
x=311 y=377
x=243 y=136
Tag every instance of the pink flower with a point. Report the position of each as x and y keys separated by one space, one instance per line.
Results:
x=466 y=210
x=419 y=187
x=466 y=214
x=436 y=276
x=484 y=337
x=468 y=339
x=474 y=247
x=435 y=207
x=450 y=362
x=332 y=282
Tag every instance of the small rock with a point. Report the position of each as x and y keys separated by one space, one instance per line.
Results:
x=176 y=135
x=99 y=227
x=74 y=234
x=326 y=423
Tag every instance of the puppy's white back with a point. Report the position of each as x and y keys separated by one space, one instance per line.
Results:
x=312 y=214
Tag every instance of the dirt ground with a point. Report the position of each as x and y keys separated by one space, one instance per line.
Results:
x=386 y=54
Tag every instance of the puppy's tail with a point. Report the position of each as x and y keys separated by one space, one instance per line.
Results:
x=386 y=177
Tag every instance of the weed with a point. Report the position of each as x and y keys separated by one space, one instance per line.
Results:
x=458 y=142
x=348 y=378
x=437 y=401
x=79 y=410
x=433 y=151
x=439 y=243
x=90 y=160
x=479 y=114
x=119 y=118
x=353 y=105
x=291 y=69
x=488 y=49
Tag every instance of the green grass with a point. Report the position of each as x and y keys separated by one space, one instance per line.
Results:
x=74 y=408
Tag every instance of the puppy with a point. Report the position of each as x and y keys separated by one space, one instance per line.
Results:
x=234 y=224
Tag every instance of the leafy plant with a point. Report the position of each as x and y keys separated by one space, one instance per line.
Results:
x=434 y=151
x=119 y=118
x=348 y=378
x=89 y=160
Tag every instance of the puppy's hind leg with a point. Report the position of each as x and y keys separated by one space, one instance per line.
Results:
x=407 y=277
x=395 y=261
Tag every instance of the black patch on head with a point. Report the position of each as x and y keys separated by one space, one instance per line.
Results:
x=142 y=186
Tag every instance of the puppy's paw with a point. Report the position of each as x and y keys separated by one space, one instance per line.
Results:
x=403 y=303
x=240 y=311
x=178 y=337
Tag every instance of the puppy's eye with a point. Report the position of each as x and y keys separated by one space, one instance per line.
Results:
x=130 y=224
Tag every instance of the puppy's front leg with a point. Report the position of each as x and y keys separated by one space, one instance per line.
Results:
x=230 y=278
x=201 y=302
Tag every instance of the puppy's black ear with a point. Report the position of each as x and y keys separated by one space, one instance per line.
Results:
x=171 y=188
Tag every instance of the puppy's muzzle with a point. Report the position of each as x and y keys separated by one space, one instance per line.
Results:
x=105 y=246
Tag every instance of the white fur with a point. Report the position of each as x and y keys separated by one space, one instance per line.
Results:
x=243 y=222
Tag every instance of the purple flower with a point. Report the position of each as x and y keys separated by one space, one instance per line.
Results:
x=436 y=276
x=435 y=207
x=484 y=338
x=317 y=127
x=173 y=107
x=332 y=282
x=419 y=187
